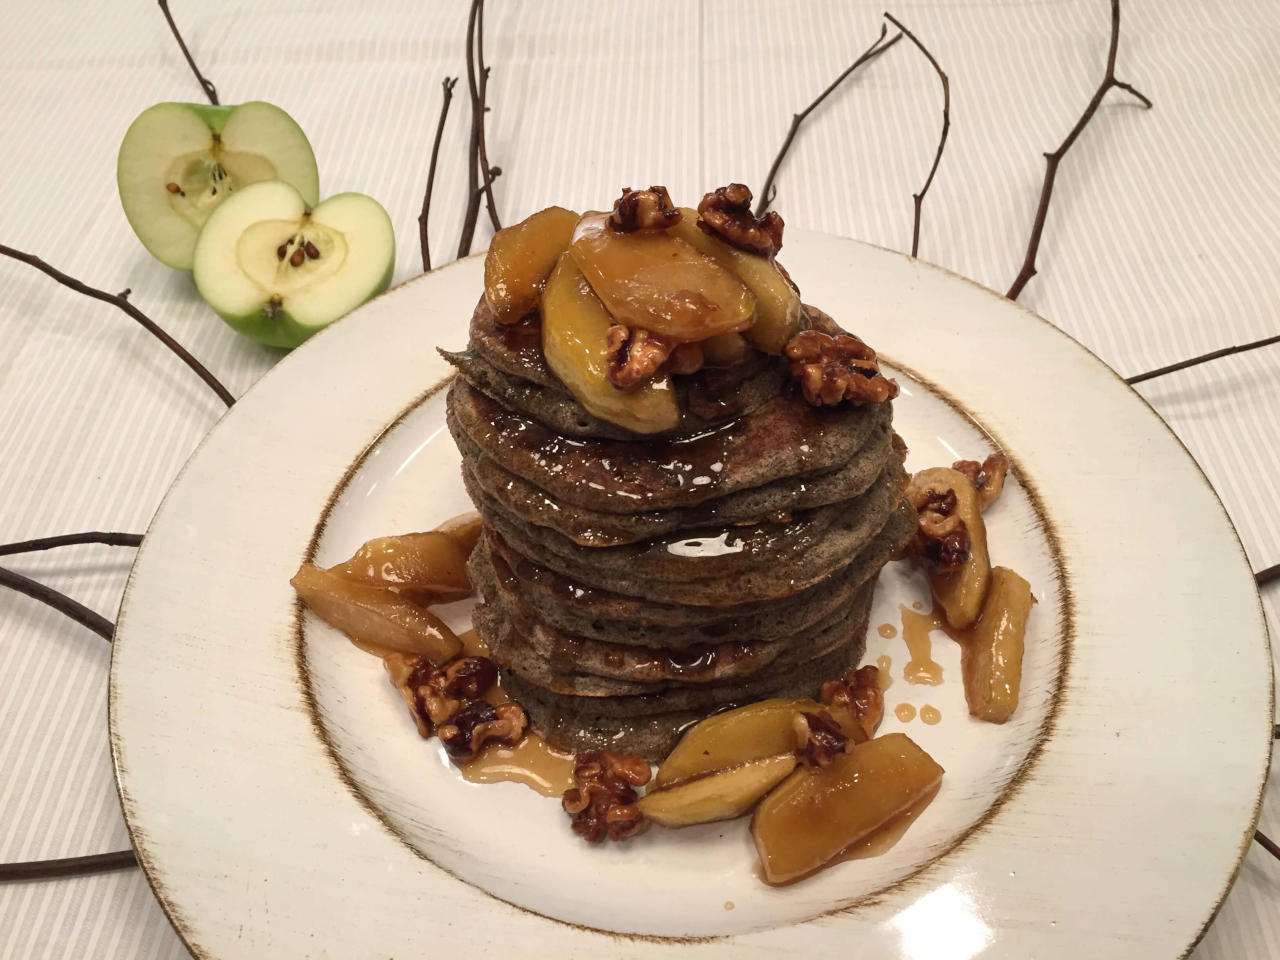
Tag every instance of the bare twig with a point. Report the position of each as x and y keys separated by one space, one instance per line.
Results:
x=59 y=601
x=70 y=539
x=68 y=867
x=483 y=108
x=918 y=198
x=1267 y=844
x=1203 y=358
x=447 y=86
x=769 y=191
x=1053 y=159
x=206 y=84
x=1269 y=575
x=121 y=301
x=479 y=173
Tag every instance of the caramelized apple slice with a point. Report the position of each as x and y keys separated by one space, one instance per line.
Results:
x=374 y=615
x=717 y=796
x=574 y=324
x=778 y=311
x=960 y=592
x=991 y=656
x=520 y=259
x=819 y=811
x=735 y=737
x=431 y=567
x=653 y=280
x=464 y=530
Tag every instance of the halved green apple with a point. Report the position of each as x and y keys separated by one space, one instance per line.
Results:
x=278 y=270
x=179 y=161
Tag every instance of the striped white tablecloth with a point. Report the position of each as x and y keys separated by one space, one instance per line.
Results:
x=1161 y=244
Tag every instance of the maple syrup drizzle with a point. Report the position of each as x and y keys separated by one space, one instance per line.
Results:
x=887 y=630
x=886 y=838
x=884 y=678
x=533 y=762
x=930 y=714
x=905 y=712
x=916 y=628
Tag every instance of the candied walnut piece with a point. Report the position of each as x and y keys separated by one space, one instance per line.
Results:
x=988 y=477
x=403 y=669
x=833 y=369
x=650 y=209
x=856 y=701
x=725 y=213
x=479 y=723
x=635 y=356
x=941 y=534
x=602 y=800
x=443 y=691
x=819 y=739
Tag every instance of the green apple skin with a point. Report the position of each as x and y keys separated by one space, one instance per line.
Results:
x=253 y=141
x=241 y=275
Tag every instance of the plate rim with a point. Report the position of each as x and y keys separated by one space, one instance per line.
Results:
x=176 y=915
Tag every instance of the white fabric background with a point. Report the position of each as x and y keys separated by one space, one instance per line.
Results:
x=1161 y=244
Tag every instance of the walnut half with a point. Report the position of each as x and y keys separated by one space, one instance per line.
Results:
x=602 y=800
x=637 y=356
x=650 y=209
x=479 y=723
x=941 y=534
x=857 y=699
x=725 y=213
x=833 y=369
x=819 y=739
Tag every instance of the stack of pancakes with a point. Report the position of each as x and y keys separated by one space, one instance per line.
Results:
x=630 y=586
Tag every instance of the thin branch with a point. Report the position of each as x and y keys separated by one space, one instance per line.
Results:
x=1203 y=358
x=473 y=146
x=1267 y=844
x=447 y=86
x=121 y=301
x=68 y=867
x=59 y=601
x=483 y=105
x=770 y=190
x=206 y=84
x=1269 y=575
x=1053 y=159
x=70 y=539
x=918 y=198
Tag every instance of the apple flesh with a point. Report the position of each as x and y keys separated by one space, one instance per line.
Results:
x=278 y=270
x=179 y=162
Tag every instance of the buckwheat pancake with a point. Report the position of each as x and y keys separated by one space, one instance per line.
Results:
x=619 y=619
x=596 y=528
x=782 y=438
x=610 y=697
x=578 y=723
x=724 y=660
x=720 y=568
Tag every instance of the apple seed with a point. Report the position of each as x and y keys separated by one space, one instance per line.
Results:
x=313 y=252
x=296 y=259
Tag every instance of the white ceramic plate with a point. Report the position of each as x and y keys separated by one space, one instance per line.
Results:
x=283 y=806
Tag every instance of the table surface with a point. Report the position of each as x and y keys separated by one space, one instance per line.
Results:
x=1161 y=244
